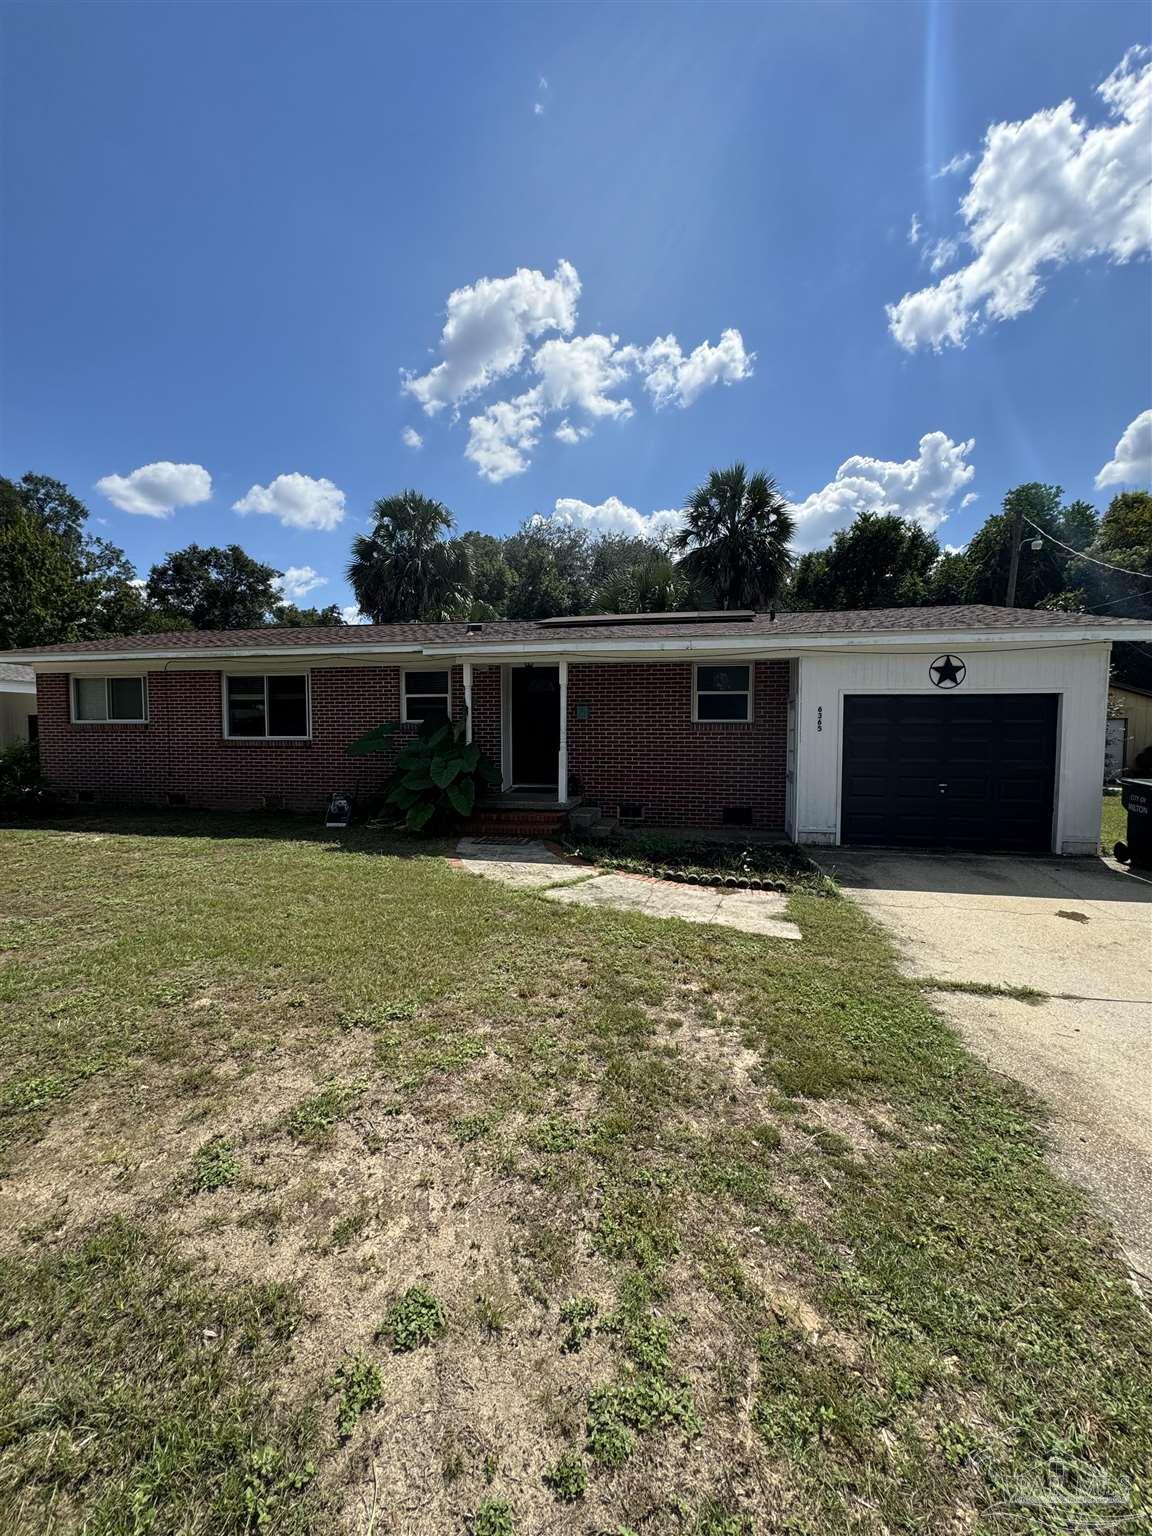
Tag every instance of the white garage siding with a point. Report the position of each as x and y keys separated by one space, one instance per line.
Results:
x=1076 y=671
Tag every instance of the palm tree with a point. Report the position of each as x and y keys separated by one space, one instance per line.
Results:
x=407 y=568
x=654 y=584
x=736 y=534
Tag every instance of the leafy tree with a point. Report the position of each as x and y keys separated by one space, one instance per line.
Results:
x=54 y=506
x=950 y=579
x=491 y=580
x=1124 y=541
x=654 y=583
x=736 y=536
x=408 y=568
x=1079 y=524
x=213 y=588
x=1127 y=524
x=56 y=584
x=881 y=561
x=291 y=617
x=1041 y=572
x=551 y=567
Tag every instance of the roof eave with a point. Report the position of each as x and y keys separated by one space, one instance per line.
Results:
x=493 y=649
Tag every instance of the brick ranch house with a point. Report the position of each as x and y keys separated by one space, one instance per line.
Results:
x=969 y=727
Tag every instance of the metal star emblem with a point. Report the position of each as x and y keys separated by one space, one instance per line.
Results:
x=947 y=671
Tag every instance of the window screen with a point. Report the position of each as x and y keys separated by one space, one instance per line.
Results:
x=276 y=705
x=723 y=693
x=426 y=696
x=109 y=698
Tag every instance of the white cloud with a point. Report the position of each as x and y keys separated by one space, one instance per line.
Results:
x=914 y=230
x=298 y=501
x=958 y=163
x=673 y=379
x=1046 y=191
x=1131 y=464
x=156 y=490
x=297 y=581
x=613 y=516
x=567 y=433
x=921 y=489
x=487 y=335
x=538 y=108
x=488 y=328
x=502 y=438
x=579 y=373
x=966 y=501
x=411 y=438
x=941 y=253
x=352 y=615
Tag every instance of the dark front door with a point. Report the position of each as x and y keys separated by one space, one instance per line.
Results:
x=970 y=772
x=535 y=704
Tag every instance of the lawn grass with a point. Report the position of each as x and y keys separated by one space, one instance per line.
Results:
x=1113 y=823
x=346 y=1191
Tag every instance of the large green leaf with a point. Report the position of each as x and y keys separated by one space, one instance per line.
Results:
x=462 y=796
x=419 y=816
x=377 y=740
x=488 y=772
x=439 y=737
x=403 y=797
x=471 y=756
x=419 y=780
x=446 y=767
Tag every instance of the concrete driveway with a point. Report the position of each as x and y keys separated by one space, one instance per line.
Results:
x=1078 y=930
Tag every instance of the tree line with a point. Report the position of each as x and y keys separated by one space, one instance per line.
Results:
x=733 y=550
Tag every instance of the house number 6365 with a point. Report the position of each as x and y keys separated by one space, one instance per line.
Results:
x=819 y=717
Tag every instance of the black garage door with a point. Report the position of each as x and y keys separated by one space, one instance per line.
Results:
x=930 y=771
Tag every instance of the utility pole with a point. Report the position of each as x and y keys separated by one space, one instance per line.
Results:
x=1014 y=566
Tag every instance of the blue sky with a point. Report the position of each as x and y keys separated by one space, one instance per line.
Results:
x=229 y=230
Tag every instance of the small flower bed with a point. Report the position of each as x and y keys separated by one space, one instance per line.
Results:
x=738 y=866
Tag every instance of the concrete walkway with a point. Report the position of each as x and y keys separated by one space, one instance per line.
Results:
x=535 y=867
x=1077 y=930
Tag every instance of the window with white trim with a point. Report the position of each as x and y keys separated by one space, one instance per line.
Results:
x=109 y=700
x=427 y=696
x=272 y=706
x=723 y=692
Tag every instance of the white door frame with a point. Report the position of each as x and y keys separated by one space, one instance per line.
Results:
x=506 y=722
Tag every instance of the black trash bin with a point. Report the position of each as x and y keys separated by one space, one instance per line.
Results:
x=1136 y=798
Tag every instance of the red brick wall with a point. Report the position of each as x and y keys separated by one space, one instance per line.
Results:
x=182 y=749
x=640 y=743
x=486 y=704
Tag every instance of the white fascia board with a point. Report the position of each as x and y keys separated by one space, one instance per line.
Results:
x=10 y=685
x=792 y=644
x=311 y=653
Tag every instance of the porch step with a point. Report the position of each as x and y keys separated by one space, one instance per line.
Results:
x=514 y=822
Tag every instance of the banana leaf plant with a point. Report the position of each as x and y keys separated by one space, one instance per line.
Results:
x=437 y=772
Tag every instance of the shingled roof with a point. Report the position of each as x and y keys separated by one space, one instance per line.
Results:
x=586 y=631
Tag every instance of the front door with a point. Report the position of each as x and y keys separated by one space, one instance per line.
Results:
x=534 y=699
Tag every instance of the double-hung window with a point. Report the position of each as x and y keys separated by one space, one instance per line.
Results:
x=111 y=700
x=271 y=706
x=426 y=696
x=724 y=692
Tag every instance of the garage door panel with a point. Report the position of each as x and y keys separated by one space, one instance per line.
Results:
x=939 y=771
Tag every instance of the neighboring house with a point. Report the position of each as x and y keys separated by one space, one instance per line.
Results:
x=1132 y=706
x=17 y=704
x=969 y=727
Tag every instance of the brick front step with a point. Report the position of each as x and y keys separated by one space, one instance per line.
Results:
x=514 y=823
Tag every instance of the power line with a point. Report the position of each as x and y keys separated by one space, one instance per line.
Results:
x=1044 y=534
